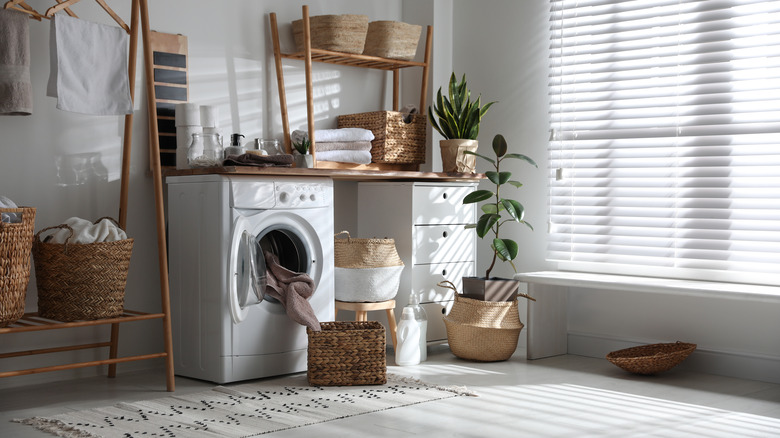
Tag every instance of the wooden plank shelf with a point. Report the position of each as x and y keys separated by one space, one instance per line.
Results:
x=31 y=322
x=359 y=173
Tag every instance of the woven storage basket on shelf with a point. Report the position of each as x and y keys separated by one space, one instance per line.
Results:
x=366 y=270
x=15 y=245
x=81 y=281
x=392 y=39
x=651 y=359
x=347 y=353
x=395 y=141
x=338 y=33
x=485 y=331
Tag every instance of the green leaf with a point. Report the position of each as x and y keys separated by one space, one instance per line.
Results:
x=499 y=145
x=477 y=196
x=489 y=208
x=517 y=184
x=524 y=158
x=514 y=208
x=527 y=225
x=498 y=178
x=506 y=249
x=486 y=158
x=485 y=223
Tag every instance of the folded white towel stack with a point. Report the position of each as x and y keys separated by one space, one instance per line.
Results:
x=330 y=135
x=89 y=67
x=15 y=86
x=85 y=231
x=344 y=145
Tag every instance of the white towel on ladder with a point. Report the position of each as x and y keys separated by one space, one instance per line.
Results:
x=89 y=67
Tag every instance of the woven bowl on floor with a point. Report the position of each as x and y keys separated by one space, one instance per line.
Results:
x=651 y=359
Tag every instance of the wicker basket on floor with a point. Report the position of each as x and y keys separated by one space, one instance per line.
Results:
x=81 y=281
x=485 y=331
x=15 y=246
x=347 y=353
x=651 y=359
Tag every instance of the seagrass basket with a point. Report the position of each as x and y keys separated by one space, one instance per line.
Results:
x=15 y=245
x=347 y=353
x=484 y=331
x=366 y=270
x=392 y=39
x=81 y=281
x=339 y=33
x=651 y=359
x=395 y=141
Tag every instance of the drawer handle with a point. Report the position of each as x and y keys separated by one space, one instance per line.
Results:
x=444 y=195
x=444 y=234
x=444 y=272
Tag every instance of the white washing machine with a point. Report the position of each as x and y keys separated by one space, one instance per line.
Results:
x=224 y=329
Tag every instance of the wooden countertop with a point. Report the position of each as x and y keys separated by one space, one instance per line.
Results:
x=336 y=174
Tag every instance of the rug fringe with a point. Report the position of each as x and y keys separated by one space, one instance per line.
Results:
x=457 y=389
x=54 y=427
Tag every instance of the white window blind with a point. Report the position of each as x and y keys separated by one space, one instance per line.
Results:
x=665 y=138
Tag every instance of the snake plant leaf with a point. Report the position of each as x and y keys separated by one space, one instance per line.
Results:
x=485 y=223
x=477 y=196
x=523 y=157
x=514 y=208
x=498 y=178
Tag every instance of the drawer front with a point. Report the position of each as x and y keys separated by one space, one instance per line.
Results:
x=442 y=205
x=425 y=278
x=435 y=312
x=443 y=244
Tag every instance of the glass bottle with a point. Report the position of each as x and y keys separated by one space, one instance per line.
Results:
x=205 y=150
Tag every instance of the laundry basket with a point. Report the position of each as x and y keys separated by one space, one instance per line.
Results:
x=15 y=245
x=366 y=270
x=81 y=281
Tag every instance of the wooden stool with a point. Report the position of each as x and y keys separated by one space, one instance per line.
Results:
x=361 y=309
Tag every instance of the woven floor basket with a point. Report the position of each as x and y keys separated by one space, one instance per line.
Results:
x=15 y=246
x=81 y=281
x=651 y=359
x=392 y=39
x=347 y=353
x=485 y=331
x=339 y=33
x=395 y=141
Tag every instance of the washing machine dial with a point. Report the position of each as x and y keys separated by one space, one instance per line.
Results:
x=284 y=197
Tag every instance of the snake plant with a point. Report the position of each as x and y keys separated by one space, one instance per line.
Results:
x=456 y=114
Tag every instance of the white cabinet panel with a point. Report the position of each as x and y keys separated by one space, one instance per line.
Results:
x=442 y=205
x=426 y=277
x=443 y=243
x=435 y=311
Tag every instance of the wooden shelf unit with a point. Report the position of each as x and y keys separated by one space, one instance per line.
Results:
x=31 y=321
x=309 y=55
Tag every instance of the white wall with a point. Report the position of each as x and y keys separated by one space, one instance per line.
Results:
x=67 y=164
x=501 y=45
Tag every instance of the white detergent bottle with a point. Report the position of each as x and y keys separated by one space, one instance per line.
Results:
x=407 y=352
x=422 y=319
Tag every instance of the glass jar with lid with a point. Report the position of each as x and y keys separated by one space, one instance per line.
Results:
x=205 y=150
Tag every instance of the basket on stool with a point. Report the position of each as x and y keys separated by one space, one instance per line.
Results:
x=651 y=359
x=347 y=353
x=81 y=281
x=15 y=245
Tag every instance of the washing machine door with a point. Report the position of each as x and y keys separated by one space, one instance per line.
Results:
x=247 y=271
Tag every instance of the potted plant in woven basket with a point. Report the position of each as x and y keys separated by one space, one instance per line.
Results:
x=498 y=212
x=457 y=119
x=484 y=322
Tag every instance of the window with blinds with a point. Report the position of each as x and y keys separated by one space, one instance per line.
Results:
x=665 y=138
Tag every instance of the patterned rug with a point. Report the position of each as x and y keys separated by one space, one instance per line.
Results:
x=242 y=410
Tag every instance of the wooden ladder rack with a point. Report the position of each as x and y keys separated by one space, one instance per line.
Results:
x=31 y=321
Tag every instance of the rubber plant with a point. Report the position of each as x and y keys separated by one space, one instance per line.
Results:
x=455 y=116
x=500 y=210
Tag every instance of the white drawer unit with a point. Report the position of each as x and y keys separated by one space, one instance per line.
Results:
x=427 y=220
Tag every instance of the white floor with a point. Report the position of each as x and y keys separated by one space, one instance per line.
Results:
x=564 y=396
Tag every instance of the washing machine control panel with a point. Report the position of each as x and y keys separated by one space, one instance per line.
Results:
x=302 y=195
